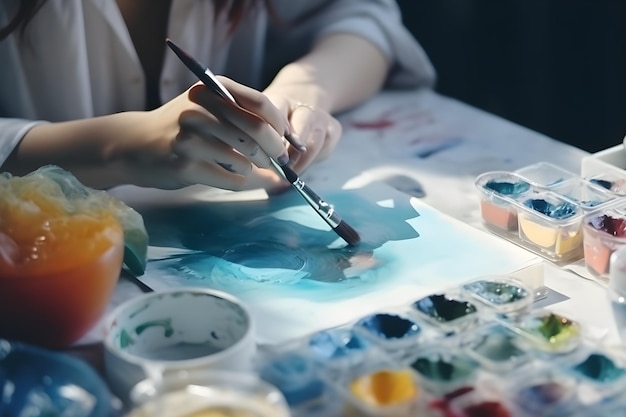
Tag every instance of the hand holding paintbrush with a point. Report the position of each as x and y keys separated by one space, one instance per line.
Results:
x=322 y=208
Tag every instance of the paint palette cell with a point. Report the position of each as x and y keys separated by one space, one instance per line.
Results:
x=448 y=312
x=551 y=332
x=395 y=333
x=551 y=224
x=498 y=191
x=445 y=372
x=385 y=391
x=604 y=231
x=339 y=348
x=296 y=376
x=600 y=368
x=544 y=391
x=498 y=348
x=503 y=295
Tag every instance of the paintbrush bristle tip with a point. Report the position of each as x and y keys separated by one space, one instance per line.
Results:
x=347 y=233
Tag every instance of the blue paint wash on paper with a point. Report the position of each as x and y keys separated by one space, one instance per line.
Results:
x=246 y=247
x=277 y=255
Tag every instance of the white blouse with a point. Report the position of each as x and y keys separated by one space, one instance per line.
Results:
x=77 y=60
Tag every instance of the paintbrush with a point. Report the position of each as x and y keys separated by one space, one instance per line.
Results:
x=325 y=210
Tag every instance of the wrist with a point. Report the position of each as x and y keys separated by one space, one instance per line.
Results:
x=296 y=83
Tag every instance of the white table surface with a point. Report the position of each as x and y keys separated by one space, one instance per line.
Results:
x=383 y=141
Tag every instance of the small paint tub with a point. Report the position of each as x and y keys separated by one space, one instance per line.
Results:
x=297 y=376
x=551 y=225
x=604 y=231
x=545 y=174
x=383 y=390
x=587 y=195
x=542 y=390
x=548 y=331
x=497 y=348
x=611 y=183
x=601 y=371
x=339 y=349
x=478 y=402
x=449 y=312
x=396 y=334
x=444 y=370
x=498 y=190
x=501 y=294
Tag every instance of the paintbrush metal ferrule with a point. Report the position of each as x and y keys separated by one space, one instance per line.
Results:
x=325 y=210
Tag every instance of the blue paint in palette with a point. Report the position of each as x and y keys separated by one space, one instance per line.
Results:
x=389 y=326
x=337 y=344
x=502 y=295
x=295 y=376
x=561 y=211
x=395 y=334
x=511 y=189
x=446 y=312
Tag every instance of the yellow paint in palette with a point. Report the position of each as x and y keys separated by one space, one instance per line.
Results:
x=386 y=388
x=559 y=240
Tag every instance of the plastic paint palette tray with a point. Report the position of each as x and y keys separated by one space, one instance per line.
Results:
x=541 y=208
x=491 y=351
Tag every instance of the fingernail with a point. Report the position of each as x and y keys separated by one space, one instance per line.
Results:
x=295 y=142
x=283 y=159
x=227 y=167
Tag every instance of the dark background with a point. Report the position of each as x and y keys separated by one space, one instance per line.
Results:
x=555 y=66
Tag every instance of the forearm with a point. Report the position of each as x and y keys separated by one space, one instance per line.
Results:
x=340 y=72
x=81 y=146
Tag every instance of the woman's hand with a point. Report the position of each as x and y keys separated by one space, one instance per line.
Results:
x=312 y=127
x=196 y=138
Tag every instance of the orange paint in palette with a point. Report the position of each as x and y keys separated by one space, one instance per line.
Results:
x=498 y=191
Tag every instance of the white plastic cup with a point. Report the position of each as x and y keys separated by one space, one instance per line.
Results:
x=161 y=333
x=617 y=290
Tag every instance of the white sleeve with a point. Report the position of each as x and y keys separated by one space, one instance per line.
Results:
x=378 y=21
x=11 y=133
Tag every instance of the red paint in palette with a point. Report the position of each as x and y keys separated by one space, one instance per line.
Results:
x=486 y=409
